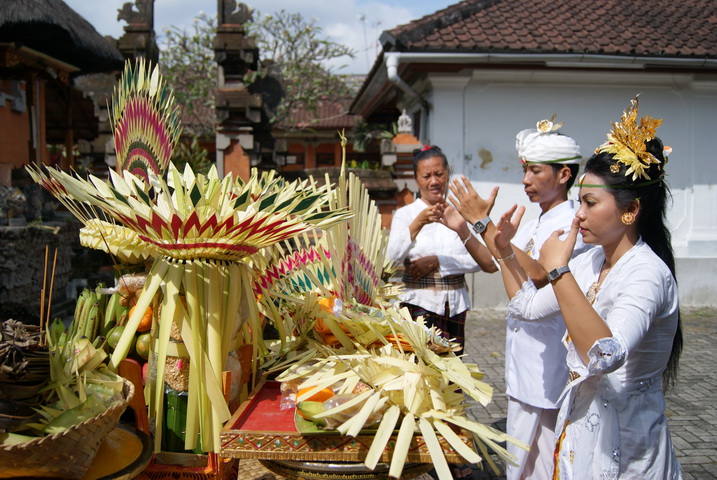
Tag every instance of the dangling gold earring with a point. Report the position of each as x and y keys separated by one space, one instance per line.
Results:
x=628 y=218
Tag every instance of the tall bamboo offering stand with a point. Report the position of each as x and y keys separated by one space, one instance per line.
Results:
x=199 y=230
x=342 y=336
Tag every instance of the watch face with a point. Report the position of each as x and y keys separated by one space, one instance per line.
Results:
x=481 y=225
x=557 y=272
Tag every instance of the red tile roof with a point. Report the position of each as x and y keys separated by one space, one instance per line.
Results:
x=331 y=114
x=671 y=28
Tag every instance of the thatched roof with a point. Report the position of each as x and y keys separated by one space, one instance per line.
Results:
x=53 y=28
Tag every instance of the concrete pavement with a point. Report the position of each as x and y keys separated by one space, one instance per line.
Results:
x=691 y=405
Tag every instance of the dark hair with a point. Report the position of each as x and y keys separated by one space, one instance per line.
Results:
x=651 y=220
x=574 y=169
x=429 y=151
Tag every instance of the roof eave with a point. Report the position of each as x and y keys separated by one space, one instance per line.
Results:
x=377 y=81
x=583 y=60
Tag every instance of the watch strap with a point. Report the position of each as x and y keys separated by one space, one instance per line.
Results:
x=556 y=273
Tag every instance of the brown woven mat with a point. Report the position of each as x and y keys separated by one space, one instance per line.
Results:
x=250 y=469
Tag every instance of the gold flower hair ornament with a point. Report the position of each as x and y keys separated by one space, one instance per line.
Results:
x=548 y=126
x=628 y=143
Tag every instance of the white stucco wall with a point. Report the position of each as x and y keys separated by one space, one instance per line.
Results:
x=475 y=116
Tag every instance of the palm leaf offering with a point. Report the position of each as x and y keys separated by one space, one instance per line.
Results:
x=145 y=120
x=300 y=284
x=100 y=231
x=81 y=386
x=408 y=384
x=200 y=229
x=311 y=254
x=340 y=332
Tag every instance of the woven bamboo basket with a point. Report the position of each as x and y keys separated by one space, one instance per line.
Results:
x=64 y=455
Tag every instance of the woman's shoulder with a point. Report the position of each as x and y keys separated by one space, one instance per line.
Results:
x=645 y=259
x=644 y=269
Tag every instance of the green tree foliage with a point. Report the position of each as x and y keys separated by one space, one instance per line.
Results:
x=291 y=49
x=193 y=154
x=297 y=52
x=365 y=133
x=187 y=61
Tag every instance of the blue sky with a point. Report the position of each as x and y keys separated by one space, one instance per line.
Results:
x=356 y=23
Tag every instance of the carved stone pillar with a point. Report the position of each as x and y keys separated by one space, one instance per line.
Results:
x=139 y=39
x=243 y=130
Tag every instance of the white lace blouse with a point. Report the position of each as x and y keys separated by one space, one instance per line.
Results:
x=613 y=412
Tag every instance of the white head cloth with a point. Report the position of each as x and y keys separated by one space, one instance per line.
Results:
x=546 y=145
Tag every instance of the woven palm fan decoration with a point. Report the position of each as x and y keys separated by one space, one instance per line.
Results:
x=202 y=229
x=146 y=126
x=339 y=330
x=100 y=231
x=344 y=264
x=145 y=120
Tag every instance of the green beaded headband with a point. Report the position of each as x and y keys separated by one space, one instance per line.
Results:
x=637 y=185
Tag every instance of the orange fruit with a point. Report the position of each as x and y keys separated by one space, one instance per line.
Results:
x=320 y=396
x=327 y=304
x=145 y=324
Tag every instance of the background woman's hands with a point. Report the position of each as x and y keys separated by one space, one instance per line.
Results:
x=556 y=253
x=433 y=213
x=420 y=267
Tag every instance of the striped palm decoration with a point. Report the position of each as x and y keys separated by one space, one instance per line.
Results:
x=345 y=263
x=202 y=230
x=144 y=119
x=100 y=231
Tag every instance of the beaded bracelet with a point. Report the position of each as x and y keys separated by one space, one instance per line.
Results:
x=507 y=257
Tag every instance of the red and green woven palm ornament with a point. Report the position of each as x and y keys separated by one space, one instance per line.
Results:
x=345 y=264
x=144 y=119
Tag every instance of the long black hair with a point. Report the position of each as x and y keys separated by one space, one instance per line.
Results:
x=653 y=196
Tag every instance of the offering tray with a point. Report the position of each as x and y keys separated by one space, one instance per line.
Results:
x=259 y=429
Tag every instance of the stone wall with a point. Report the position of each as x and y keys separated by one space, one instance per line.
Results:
x=22 y=257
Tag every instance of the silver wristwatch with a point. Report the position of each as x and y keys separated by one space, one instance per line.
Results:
x=480 y=226
x=555 y=273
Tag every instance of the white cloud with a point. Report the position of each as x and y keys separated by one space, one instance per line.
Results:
x=339 y=19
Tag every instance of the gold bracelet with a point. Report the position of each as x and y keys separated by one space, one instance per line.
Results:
x=507 y=257
x=467 y=238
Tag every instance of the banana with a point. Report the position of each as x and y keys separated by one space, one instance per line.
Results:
x=78 y=306
x=57 y=328
x=81 y=322
x=80 y=311
x=91 y=321
x=110 y=316
x=102 y=299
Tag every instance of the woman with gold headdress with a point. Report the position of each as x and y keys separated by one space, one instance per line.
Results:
x=620 y=307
